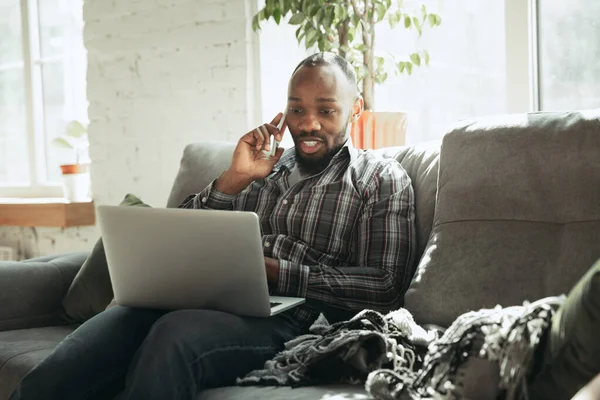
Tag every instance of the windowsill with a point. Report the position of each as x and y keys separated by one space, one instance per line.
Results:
x=56 y=212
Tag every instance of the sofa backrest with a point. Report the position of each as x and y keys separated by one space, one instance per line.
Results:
x=420 y=161
x=517 y=216
x=203 y=162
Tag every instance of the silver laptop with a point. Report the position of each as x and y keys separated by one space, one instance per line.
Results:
x=180 y=259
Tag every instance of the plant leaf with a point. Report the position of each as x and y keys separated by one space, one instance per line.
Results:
x=381 y=10
x=277 y=15
x=329 y=17
x=319 y=17
x=380 y=61
x=425 y=56
x=361 y=47
x=415 y=58
x=417 y=25
x=409 y=68
x=338 y=11
x=255 y=23
x=311 y=38
x=297 y=19
x=431 y=19
x=62 y=142
x=438 y=20
x=76 y=129
x=407 y=21
x=314 y=10
x=401 y=66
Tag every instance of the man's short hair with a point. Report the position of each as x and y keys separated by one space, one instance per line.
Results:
x=326 y=58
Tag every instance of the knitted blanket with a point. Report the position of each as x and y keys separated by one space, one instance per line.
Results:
x=397 y=359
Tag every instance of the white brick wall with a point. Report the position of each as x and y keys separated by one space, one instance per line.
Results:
x=161 y=74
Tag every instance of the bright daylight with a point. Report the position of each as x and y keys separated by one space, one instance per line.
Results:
x=299 y=199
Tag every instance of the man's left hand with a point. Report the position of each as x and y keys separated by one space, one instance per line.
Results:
x=272 y=266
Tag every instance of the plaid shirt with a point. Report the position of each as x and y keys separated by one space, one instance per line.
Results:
x=343 y=237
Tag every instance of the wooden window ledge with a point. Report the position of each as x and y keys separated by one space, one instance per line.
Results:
x=45 y=212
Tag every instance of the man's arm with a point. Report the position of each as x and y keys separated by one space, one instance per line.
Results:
x=385 y=232
x=208 y=199
x=247 y=165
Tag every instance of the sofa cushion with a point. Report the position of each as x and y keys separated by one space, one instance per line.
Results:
x=31 y=291
x=420 y=161
x=572 y=356
x=21 y=350
x=201 y=164
x=326 y=392
x=91 y=290
x=517 y=215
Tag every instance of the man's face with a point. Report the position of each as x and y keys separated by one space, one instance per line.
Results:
x=319 y=110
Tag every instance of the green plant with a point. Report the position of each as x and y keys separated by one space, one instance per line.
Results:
x=75 y=138
x=347 y=27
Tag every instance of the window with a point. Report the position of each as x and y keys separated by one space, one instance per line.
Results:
x=42 y=87
x=487 y=57
x=569 y=54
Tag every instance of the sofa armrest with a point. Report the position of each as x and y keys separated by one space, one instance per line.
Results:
x=31 y=291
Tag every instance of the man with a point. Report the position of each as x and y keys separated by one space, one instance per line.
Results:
x=336 y=226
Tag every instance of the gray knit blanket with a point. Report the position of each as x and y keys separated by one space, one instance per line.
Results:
x=396 y=359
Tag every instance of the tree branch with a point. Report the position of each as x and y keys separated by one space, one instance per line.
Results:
x=355 y=8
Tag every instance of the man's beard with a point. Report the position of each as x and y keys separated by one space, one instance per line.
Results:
x=314 y=165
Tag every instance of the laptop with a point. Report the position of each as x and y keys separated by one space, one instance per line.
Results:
x=180 y=259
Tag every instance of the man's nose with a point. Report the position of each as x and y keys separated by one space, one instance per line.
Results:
x=309 y=123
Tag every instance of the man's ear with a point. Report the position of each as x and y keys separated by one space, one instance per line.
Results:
x=357 y=109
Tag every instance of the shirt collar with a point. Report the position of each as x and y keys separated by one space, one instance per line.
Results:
x=288 y=158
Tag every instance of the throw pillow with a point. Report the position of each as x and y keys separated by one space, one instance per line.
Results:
x=572 y=355
x=91 y=289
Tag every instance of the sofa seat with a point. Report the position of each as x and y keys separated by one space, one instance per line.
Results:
x=21 y=350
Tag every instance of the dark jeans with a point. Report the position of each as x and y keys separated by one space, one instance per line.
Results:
x=159 y=355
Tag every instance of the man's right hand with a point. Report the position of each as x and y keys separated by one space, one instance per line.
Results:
x=249 y=162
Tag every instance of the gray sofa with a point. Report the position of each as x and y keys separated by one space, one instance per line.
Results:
x=508 y=210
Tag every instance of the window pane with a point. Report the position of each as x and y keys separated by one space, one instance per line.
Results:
x=466 y=77
x=10 y=32
x=14 y=164
x=52 y=16
x=569 y=54
x=55 y=119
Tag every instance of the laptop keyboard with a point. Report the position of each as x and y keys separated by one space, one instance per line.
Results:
x=273 y=304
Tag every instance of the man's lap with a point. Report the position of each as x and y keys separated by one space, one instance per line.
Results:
x=212 y=343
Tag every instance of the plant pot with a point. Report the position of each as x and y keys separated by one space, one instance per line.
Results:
x=76 y=182
x=378 y=129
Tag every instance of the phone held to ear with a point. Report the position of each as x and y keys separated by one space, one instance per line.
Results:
x=274 y=143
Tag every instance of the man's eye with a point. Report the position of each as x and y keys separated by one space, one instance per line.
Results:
x=327 y=112
x=296 y=110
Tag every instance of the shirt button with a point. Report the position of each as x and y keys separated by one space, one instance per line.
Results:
x=267 y=244
x=285 y=201
x=204 y=199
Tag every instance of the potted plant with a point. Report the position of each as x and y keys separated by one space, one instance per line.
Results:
x=347 y=27
x=76 y=175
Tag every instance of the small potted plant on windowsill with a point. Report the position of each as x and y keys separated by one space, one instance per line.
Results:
x=76 y=175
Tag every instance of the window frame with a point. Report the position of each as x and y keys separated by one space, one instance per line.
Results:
x=38 y=185
x=522 y=82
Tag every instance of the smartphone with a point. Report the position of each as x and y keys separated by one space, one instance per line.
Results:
x=275 y=143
